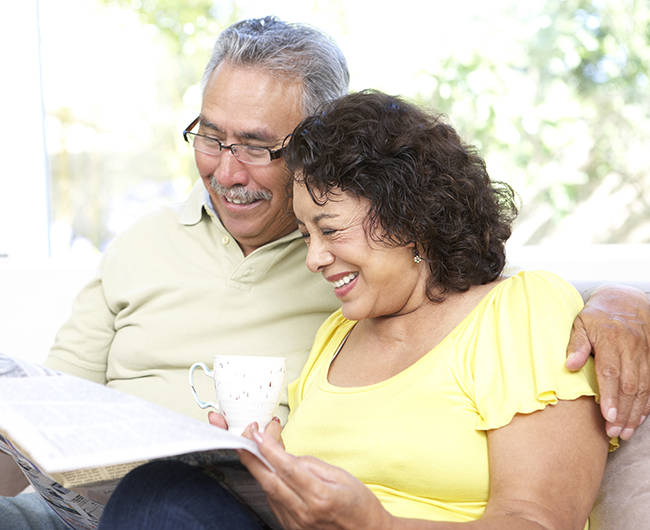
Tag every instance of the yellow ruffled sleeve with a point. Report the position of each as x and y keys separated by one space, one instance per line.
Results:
x=520 y=353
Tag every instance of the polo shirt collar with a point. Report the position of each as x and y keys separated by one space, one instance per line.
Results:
x=198 y=200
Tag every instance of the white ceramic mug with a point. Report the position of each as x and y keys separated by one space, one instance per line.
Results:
x=248 y=388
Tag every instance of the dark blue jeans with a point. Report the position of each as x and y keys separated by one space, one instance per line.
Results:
x=170 y=495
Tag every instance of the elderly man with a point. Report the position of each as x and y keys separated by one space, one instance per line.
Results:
x=224 y=272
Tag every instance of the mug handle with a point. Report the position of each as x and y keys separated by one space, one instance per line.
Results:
x=209 y=373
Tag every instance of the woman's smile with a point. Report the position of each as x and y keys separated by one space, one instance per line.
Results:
x=370 y=278
x=345 y=284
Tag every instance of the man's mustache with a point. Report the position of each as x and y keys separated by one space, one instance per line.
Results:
x=240 y=193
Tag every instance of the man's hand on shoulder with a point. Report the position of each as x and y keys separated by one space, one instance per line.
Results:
x=615 y=326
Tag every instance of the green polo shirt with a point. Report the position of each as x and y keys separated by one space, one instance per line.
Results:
x=175 y=288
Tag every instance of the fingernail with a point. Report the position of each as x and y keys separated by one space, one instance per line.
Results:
x=275 y=418
x=257 y=436
x=611 y=415
x=626 y=434
x=614 y=432
x=642 y=419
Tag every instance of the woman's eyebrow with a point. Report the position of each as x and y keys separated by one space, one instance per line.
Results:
x=319 y=217
x=325 y=216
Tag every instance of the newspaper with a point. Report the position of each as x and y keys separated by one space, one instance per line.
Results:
x=75 y=439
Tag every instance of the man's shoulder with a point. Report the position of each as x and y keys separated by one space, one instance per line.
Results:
x=160 y=217
x=165 y=213
x=162 y=222
x=186 y=212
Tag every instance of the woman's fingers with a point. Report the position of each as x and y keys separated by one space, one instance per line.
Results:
x=305 y=492
x=217 y=420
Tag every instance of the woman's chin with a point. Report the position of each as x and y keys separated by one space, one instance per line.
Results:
x=354 y=312
x=350 y=313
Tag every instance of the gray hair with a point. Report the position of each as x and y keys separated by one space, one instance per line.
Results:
x=293 y=51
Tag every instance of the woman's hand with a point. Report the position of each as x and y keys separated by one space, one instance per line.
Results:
x=306 y=493
x=615 y=324
x=217 y=420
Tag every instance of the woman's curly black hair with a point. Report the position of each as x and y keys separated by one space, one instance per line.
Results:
x=423 y=183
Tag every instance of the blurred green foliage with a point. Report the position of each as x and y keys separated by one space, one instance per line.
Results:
x=560 y=106
x=556 y=93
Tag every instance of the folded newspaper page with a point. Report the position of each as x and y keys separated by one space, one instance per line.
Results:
x=67 y=434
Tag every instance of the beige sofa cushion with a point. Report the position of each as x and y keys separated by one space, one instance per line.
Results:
x=623 y=502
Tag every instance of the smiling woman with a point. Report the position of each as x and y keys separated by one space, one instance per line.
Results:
x=402 y=218
x=449 y=212
x=340 y=250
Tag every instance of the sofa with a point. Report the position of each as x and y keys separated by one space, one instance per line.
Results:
x=623 y=502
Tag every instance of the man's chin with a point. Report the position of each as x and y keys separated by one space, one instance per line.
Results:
x=244 y=222
x=251 y=233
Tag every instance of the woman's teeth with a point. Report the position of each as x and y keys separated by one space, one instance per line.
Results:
x=345 y=280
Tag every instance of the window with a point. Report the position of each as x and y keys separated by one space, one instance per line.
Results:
x=555 y=98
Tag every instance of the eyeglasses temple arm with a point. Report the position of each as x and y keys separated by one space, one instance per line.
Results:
x=190 y=127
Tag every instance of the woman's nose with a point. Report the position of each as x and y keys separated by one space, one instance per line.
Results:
x=318 y=255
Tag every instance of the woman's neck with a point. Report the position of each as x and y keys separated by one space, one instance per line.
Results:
x=380 y=348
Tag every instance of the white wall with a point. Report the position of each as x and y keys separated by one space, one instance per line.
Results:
x=623 y=263
x=35 y=300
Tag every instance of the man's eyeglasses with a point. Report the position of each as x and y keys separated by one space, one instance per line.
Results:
x=248 y=154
